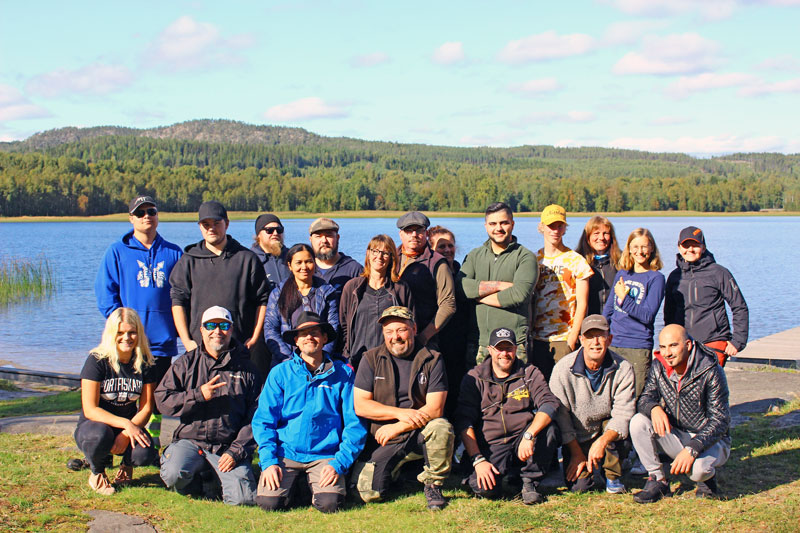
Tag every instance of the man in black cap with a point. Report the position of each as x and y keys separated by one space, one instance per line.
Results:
x=218 y=271
x=695 y=297
x=505 y=418
x=268 y=246
x=333 y=266
x=427 y=274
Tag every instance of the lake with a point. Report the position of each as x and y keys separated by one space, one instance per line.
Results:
x=55 y=334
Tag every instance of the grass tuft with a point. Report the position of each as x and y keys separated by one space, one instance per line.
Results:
x=25 y=278
x=51 y=404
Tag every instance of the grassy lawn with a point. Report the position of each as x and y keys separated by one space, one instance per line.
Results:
x=52 y=404
x=760 y=486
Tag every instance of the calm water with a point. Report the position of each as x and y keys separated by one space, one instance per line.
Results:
x=55 y=334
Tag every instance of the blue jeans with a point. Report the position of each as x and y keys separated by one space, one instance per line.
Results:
x=183 y=460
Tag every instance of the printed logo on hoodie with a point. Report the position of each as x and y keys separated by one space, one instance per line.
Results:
x=145 y=275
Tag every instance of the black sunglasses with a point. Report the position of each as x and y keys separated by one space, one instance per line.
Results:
x=139 y=213
x=274 y=229
x=211 y=326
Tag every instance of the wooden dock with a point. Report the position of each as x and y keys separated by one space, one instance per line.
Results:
x=781 y=349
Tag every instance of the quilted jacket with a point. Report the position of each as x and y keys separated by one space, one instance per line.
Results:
x=697 y=403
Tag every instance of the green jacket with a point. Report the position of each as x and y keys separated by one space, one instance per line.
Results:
x=516 y=264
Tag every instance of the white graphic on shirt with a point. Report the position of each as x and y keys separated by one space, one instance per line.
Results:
x=145 y=275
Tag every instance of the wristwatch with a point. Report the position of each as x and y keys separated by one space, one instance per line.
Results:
x=527 y=435
x=692 y=451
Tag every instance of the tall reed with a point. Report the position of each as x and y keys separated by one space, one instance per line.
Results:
x=25 y=278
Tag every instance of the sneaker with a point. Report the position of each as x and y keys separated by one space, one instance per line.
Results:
x=637 y=468
x=653 y=491
x=614 y=486
x=583 y=484
x=100 y=484
x=707 y=488
x=531 y=496
x=436 y=501
x=77 y=464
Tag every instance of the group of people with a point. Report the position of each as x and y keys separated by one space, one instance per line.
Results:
x=339 y=374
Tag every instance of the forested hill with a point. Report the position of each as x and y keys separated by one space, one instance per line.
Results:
x=87 y=171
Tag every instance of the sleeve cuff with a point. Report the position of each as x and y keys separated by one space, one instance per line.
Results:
x=696 y=445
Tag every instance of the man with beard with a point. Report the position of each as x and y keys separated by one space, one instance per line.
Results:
x=333 y=266
x=500 y=277
x=218 y=271
x=213 y=388
x=400 y=390
x=268 y=246
x=428 y=275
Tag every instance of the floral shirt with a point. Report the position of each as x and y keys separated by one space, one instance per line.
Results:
x=555 y=293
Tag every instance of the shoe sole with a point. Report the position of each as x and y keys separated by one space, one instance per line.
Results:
x=616 y=491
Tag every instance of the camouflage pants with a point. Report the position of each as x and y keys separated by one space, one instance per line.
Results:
x=377 y=467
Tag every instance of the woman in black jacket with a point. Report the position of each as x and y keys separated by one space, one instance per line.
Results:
x=598 y=244
x=364 y=299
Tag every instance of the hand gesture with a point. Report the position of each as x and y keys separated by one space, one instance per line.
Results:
x=577 y=464
x=386 y=433
x=597 y=452
x=121 y=443
x=660 y=421
x=136 y=435
x=620 y=289
x=210 y=388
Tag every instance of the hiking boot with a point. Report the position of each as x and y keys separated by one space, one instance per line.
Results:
x=100 y=484
x=77 y=464
x=436 y=501
x=653 y=491
x=583 y=484
x=707 y=488
x=531 y=496
x=614 y=486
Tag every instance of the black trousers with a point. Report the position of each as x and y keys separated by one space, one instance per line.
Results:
x=95 y=440
x=504 y=458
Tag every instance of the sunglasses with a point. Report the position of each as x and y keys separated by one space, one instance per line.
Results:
x=211 y=326
x=274 y=229
x=139 y=213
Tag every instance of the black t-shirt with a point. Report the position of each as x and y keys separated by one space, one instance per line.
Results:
x=367 y=332
x=119 y=392
x=437 y=382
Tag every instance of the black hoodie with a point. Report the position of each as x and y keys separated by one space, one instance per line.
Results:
x=234 y=280
x=695 y=297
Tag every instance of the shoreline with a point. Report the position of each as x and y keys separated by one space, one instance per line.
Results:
x=249 y=215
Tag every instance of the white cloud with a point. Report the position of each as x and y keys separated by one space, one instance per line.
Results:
x=547 y=45
x=669 y=120
x=708 y=9
x=15 y=106
x=370 y=60
x=449 y=53
x=96 y=78
x=685 y=53
x=536 y=87
x=686 y=85
x=783 y=63
x=761 y=88
x=629 y=31
x=708 y=145
x=188 y=44
x=304 y=109
x=550 y=117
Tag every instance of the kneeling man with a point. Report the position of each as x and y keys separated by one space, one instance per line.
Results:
x=400 y=389
x=597 y=393
x=305 y=423
x=684 y=412
x=504 y=416
x=213 y=389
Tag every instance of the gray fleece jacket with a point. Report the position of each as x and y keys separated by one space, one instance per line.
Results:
x=583 y=411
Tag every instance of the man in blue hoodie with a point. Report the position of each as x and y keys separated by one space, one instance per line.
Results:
x=305 y=422
x=135 y=273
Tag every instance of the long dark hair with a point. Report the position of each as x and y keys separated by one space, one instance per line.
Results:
x=290 y=298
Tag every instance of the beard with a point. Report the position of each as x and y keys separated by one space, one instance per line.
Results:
x=274 y=248
x=327 y=256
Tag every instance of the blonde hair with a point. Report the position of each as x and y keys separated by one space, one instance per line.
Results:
x=107 y=349
x=387 y=243
x=626 y=261
x=586 y=250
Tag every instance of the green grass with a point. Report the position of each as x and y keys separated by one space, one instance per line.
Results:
x=25 y=278
x=51 y=404
x=7 y=385
x=760 y=486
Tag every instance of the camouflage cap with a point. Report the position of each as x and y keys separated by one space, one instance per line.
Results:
x=396 y=311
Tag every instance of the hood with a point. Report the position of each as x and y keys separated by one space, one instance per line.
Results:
x=705 y=260
x=131 y=242
x=199 y=249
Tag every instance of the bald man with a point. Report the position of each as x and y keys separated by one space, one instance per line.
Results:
x=684 y=412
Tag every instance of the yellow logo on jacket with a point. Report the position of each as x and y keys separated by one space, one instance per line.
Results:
x=519 y=394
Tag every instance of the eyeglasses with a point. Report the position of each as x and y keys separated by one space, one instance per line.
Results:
x=140 y=213
x=380 y=253
x=211 y=326
x=274 y=229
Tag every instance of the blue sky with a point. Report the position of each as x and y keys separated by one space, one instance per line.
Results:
x=702 y=77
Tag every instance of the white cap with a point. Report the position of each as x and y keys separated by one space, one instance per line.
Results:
x=216 y=312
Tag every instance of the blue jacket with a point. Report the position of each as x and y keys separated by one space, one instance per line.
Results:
x=345 y=269
x=305 y=417
x=321 y=300
x=132 y=276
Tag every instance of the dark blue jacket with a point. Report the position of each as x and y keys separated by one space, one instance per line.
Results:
x=132 y=276
x=275 y=268
x=632 y=321
x=321 y=300
x=345 y=269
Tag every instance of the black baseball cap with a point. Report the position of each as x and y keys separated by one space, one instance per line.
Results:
x=692 y=233
x=213 y=210
x=139 y=201
x=502 y=335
